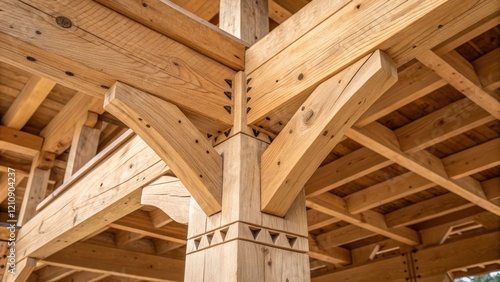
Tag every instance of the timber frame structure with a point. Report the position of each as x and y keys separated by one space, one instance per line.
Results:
x=249 y=140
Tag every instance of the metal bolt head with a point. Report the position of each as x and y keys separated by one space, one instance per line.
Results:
x=64 y=22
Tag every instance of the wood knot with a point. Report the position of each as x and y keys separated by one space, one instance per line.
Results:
x=308 y=116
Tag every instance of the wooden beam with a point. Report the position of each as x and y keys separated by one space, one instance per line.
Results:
x=472 y=160
x=37 y=186
x=59 y=132
x=54 y=273
x=139 y=222
x=337 y=256
x=318 y=126
x=21 y=273
x=94 y=200
x=28 y=100
x=490 y=188
x=386 y=192
x=401 y=30
x=487 y=68
x=245 y=19
x=159 y=218
x=428 y=209
x=381 y=139
x=459 y=73
x=369 y=220
x=427 y=262
x=84 y=277
x=440 y=125
x=185 y=28
x=174 y=138
x=414 y=82
x=83 y=145
x=187 y=78
x=344 y=170
x=169 y=195
x=20 y=142
x=316 y=220
x=343 y=235
x=82 y=256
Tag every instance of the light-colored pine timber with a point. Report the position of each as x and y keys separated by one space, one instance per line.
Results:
x=338 y=256
x=459 y=73
x=19 y=141
x=381 y=139
x=169 y=195
x=487 y=68
x=413 y=83
x=58 y=134
x=187 y=78
x=246 y=19
x=390 y=26
x=343 y=235
x=387 y=191
x=84 y=277
x=344 y=170
x=27 y=102
x=184 y=27
x=449 y=121
x=174 y=138
x=118 y=262
x=23 y=270
x=369 y=220
x=83 y=145
x=36 y=187
x=159 y=218
x=53 y=273
x=94 y=200
x=316 y=219
x=490 y=188
x=318 y=126
x=472 y=160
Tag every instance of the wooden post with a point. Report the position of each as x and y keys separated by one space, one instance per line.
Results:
x=245 y=19
x=241 y=243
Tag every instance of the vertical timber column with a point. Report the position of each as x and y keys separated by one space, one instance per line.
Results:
x=241 y=243
x=245 y=19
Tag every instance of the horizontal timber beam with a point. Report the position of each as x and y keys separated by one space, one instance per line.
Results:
x=185 y=28
x=318 y=126
x=403 y=30
x=381 y=139
x=107 y=192
x=369 y=220
x=95 y=258
x=174 y=138
x=428 y=262
x=27 y=102
x=188 y=79
x=459 y=73
x=20 y=142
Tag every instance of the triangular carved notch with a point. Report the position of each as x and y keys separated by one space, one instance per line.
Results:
x=255 y=231
x=291 y=240
x=274 y=236
x=223 y=233
x=197 y=242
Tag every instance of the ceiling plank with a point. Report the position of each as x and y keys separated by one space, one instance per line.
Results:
x=175 y=139
x=27 y=102
x=402 y=30
x=53 y=273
